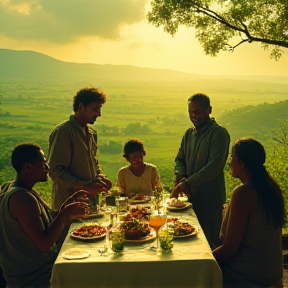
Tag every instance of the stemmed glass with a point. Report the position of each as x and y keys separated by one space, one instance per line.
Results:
x=156 y=221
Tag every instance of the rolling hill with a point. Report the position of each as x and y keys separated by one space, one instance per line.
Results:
x=34 y=66
x=259 y=121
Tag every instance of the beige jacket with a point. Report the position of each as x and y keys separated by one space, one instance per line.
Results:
x=72 y=157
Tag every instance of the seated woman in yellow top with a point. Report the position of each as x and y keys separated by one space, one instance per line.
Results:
x=139 y=177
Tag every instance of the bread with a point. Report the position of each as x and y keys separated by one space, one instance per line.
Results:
x=176 y=203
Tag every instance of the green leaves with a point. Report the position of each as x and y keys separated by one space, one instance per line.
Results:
x=217 y=22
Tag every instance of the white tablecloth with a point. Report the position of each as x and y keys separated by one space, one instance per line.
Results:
x=190 y=264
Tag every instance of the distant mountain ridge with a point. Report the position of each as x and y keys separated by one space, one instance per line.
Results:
x=35 y=66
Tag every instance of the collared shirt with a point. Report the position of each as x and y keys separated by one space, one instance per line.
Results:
x=202 y=157
x=72 y=157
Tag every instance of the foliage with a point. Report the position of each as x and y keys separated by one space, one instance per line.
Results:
x=112 y=147
x=238 y=122
x=218 y=23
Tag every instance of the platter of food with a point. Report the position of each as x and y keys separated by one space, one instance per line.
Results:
x=194 y=232
x=139 y=199
x=150 y=236
x=183 y=229
x=89 y=232
x=179 y=206
x=137 y=231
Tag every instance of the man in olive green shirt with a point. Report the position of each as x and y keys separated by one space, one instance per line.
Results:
x=199 y=166
x=73 y=150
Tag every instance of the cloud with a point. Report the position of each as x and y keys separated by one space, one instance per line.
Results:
x=66 y=21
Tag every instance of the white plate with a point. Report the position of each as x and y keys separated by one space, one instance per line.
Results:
x=173 y=208
x=89 y=216
x=188 y=235
x=145 y=200
x=75 y=254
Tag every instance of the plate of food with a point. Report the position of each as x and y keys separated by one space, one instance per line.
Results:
x=137 y=231
x=194 y=231
x=176 y=205
x=89 y=216
x=89 y=232
x=150 y=236
x=183 y=229
x=139 y=199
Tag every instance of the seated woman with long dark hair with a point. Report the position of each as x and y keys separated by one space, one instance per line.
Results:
x=251 y=233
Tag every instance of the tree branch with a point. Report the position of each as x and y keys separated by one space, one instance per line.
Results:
x=231 y=48
x=244 y=30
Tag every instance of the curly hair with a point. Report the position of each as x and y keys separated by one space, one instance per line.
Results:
x=133 y=145
x=87 y=96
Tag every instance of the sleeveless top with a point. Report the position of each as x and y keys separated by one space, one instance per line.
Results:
x=22 y=263
x=258 y=260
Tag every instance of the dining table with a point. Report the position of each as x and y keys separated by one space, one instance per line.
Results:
x=190 y=263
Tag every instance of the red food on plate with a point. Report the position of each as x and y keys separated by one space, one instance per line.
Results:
x=139 y=197
x=89 y=231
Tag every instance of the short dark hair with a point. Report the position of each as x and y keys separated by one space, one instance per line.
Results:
x=23 y=153
x=202 y=98
x=133 y=145
x=87 y=96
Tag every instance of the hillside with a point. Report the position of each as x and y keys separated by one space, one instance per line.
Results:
x=35 y=66
x=259 y=121
x=29 y=74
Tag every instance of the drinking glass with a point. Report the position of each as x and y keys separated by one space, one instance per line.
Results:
x=116 y=239
x=156 y=221
x=103 y=201
x=166 y=236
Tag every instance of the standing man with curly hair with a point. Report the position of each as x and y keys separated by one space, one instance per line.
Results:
x=73 y=150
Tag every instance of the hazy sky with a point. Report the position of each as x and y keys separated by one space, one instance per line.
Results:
x=116 y=32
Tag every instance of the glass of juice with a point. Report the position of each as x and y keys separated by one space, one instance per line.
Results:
x=156 y=221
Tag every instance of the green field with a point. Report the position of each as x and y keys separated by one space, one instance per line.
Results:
x=154 y=112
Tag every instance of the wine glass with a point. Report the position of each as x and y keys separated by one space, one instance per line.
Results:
x=156 y=221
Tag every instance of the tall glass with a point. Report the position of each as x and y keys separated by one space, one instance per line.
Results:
x=116 y=239
x=156 y=221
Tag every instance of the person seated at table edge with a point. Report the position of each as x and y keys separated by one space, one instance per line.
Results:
x=30 y=238
x=251 y=232
x=138 y=177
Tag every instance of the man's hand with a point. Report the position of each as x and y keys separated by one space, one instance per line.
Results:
x=105 y=179
x=179 y=178
x=96 y=186
x=76 y=210
x=180 y=189
x=79 y=196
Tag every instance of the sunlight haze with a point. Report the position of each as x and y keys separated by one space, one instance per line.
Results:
x=116 y=32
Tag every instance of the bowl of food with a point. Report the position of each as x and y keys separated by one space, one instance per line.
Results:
x=135 y=229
